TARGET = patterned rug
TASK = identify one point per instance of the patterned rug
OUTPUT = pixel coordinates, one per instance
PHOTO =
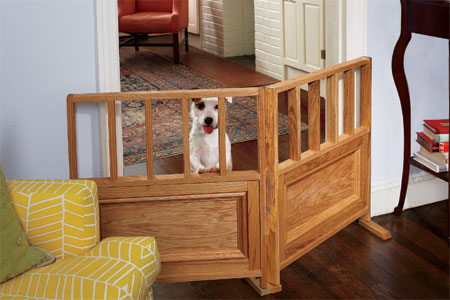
(143, 71)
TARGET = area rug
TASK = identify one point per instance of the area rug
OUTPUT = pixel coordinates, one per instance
(146, 71)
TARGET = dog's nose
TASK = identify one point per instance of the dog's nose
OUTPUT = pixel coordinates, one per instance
(208, 121)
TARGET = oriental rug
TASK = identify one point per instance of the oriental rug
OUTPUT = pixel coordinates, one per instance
(147, 71)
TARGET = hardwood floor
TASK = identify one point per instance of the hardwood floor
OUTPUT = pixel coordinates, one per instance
(354, 264)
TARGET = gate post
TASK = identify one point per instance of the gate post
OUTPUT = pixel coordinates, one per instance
(272, 234)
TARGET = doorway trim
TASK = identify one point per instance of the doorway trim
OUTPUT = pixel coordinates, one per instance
(108, 75)
(356, 29)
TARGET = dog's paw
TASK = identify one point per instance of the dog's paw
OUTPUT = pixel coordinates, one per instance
(214, 170)
(202, 171)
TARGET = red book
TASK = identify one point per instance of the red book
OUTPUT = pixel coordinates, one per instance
(427, 143)
(437, 126)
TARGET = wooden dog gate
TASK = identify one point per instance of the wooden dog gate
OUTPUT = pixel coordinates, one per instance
(246, 224)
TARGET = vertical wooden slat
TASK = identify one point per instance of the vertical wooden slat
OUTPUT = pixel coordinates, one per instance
(112, 140)
(349, 101)
(185, 123)
(314, 115)
(294, 123)
(332, 110)
(149, 137)
(272, 235)
(72, 138)
(222, 144)
(262, 186)
(366, 101)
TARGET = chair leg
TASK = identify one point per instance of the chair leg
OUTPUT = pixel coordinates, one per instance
(176, 49)
(186, 36)
(136, 42)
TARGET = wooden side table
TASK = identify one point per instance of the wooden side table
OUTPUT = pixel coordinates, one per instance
(421, 17)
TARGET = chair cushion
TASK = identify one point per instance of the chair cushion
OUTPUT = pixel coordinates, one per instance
(16, 254)
(117, 268)
(149, 22)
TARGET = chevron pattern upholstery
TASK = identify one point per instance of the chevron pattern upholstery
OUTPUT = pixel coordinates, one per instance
(62, 217)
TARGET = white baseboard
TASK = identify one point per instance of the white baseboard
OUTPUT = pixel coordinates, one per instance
(423, 189)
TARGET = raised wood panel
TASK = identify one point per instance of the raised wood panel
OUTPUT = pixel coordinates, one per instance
(291, 31)
(318, 192)
(214, 228)
(347, 212)
(312, 14)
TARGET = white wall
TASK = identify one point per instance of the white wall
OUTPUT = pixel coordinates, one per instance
(47, 52)
(426, 65)
(227, 27)
(268, 34)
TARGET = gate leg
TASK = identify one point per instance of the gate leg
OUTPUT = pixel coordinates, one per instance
(376, 229)
(270, 289)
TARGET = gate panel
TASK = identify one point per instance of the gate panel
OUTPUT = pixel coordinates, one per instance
(317, 193)
(195, 225)
(321, 196)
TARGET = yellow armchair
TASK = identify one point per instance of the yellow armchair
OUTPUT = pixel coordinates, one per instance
(62, 217)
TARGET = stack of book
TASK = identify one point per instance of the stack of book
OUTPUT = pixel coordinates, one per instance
(433, 145)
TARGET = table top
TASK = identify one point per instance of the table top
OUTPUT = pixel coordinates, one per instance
(428, 17)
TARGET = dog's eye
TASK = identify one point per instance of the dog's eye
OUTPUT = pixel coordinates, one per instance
(217, 106)
(201, 106)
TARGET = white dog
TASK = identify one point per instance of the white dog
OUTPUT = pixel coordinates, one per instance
(204, 137)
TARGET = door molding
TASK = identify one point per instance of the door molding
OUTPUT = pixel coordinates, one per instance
(108, 75)
(356, 29)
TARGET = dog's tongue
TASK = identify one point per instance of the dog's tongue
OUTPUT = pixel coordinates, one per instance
(208, 129)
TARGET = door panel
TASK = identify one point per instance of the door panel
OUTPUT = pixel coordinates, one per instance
(313, 35)
(291, 32)
(304, 35)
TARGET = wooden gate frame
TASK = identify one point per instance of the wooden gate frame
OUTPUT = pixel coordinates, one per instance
(262, 234)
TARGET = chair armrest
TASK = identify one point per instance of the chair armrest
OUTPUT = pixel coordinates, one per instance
(142, 252)
(181, 8)
(60, 216)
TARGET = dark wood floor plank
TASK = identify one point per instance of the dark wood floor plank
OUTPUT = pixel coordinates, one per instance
(365, 258)
(401, 264)
(363, 267)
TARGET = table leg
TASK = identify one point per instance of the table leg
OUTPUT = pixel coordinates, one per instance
(398, 72)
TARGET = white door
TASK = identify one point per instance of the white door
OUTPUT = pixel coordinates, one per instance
(194, 17)
(304, 36)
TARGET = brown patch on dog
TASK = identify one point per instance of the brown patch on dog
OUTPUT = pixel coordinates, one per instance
(199, 103)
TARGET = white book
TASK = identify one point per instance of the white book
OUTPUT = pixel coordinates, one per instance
(437, 157)
(438, 168)
(442, 137)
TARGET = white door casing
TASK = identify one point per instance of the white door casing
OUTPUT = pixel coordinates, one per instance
(108, 76)
(194, 17)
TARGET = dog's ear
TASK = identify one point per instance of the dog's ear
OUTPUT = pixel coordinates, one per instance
(195, 99)
(229, 99)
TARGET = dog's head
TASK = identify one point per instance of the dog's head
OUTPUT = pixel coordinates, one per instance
(204, 112)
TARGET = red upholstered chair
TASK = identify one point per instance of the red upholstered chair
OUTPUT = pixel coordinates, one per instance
(141, 17)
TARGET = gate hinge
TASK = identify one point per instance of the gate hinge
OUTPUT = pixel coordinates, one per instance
(322, 54)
